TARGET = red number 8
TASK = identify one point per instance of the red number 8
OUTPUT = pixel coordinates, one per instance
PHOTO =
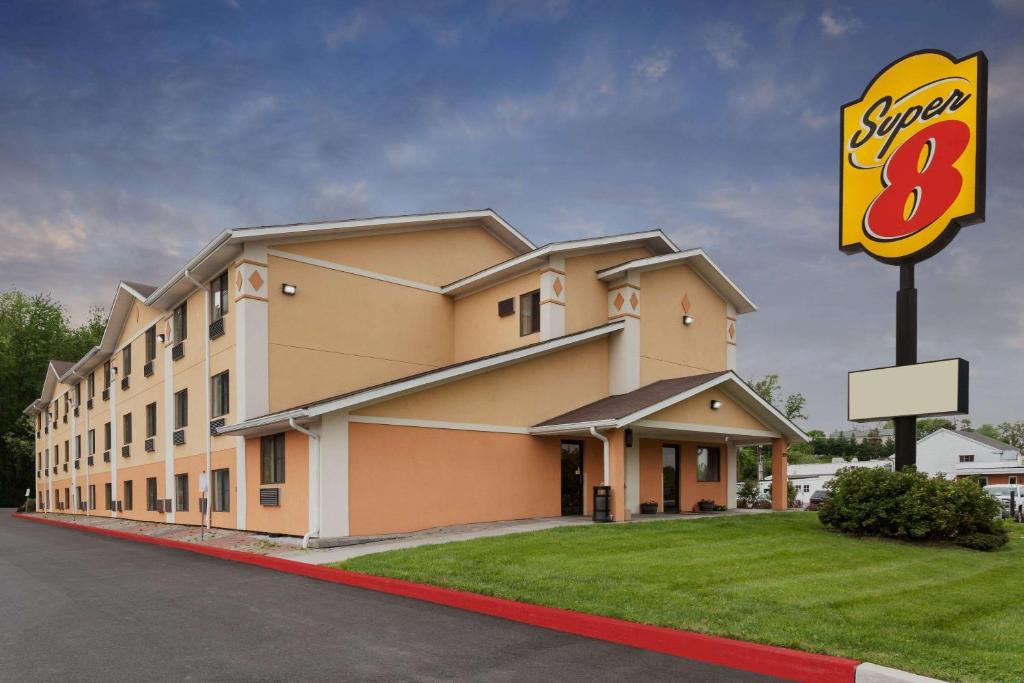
(935, 187)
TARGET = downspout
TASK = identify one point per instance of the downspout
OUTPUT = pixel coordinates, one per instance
(607, 460)
(206, 390)
(314, 469)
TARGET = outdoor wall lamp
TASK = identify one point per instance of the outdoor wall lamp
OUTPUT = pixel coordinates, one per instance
(113, 371)
(687, 320)
(160, 338)
(289, 289)
(715, 404)
(629, 438)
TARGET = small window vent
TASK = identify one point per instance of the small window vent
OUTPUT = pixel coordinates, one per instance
(270, 497)
(149, 446)
(125, 383)
(178, 351)
(217, 328)
(106, 456)
(179, 437)
(506, 307)
(215, 425)
(147, 369)
(126, 451)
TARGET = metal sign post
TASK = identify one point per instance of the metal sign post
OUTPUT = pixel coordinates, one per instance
(905, 428)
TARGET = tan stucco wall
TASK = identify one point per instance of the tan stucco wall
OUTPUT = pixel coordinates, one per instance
(651, 474)
(690, 490)
(667, 347)
(410, 478)
(586, 297)
(478, 331)
(518, 395)
(434, 257)
(343, 332)
(697, 410)
(292, 517)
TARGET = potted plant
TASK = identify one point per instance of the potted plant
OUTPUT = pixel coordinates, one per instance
(649, 507)
(705, 505)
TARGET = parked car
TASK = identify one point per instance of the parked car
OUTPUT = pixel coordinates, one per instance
(1002, 493)
(817, 498)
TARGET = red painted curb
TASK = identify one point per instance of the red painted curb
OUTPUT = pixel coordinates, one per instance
(737, 654)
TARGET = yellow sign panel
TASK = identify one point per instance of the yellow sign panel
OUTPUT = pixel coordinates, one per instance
(912, 170)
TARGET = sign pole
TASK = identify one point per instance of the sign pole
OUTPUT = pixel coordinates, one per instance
(906, 354)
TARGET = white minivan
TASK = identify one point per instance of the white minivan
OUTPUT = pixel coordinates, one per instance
(1002, 493)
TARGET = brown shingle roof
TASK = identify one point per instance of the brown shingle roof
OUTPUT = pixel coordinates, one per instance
(61, 366)
(615, 407)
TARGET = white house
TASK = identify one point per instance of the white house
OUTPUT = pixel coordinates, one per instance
(967, 453)
(810, 477)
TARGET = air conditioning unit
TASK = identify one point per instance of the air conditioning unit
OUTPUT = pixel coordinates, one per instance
(106, 394)
(125, 383)
(217, 328)
(126, 451)
(215, 425)
(88, 404)
(149, 445)
(147, 369)
(106, 456)
(179, 437)
(178, 351)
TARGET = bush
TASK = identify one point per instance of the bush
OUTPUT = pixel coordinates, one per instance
(28, 506)
(749, 493)
(908, 505)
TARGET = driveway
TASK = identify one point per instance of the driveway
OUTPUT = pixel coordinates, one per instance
(77, 606)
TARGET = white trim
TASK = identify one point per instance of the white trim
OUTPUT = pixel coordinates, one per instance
(437, 424)
(572, 427)
(706, 429)
(728, 288)
(119, 349)
(352, 270)
(168, 372)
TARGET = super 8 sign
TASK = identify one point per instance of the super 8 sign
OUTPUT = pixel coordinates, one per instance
(912, 171)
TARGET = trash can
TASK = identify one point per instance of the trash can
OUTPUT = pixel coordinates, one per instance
(602, 503)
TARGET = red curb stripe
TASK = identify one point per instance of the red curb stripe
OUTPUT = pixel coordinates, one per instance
(736, 654)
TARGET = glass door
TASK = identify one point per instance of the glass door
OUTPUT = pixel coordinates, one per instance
(670, 478)
(572, 478)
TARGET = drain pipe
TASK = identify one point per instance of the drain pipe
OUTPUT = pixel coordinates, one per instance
(607, 473)
(314, 485)
(206, 390)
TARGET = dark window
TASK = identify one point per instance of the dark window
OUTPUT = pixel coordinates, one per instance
(90, 385)
(506, 307)
(151, 420)
(108, 497)
(151, 344)
(56, 454)
(127, 500)
(221, 490)
(529, 313)
(106, 437)
(181, 492)
(78, 447)
(126, 360)
(966, 458)
(272, 459)
(219, 393)
(92, 496)
(106, 374)
(67, 450)
(180, 323)
(219, 296)
(78, 496)
(151, 494)
(78, 394)
(92, 442)
(126, 424)
(708, 461)
(181, 409)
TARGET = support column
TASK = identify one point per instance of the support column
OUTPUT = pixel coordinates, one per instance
(168, 449)
(780, 474)
(633, 476)
(333, 481)
(624, 347)
(617, 472)
(115, 452)
(552, 299)
(730, 477)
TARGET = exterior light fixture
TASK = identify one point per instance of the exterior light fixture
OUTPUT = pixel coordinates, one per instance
(113, 371)
(715, 404)
(629, 438)
(687, 320)
(289, 289)
(160, 338)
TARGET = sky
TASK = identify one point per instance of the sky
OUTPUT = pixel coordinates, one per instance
(132, 132)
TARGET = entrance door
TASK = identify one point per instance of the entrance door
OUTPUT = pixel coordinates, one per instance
(670, 477)
(572, 477)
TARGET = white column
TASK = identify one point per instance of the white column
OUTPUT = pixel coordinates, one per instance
(47, 460)
(730, 337)
(552, 299)
(252, 364)
(114, 451)
(633, 476)
(730, 476)
(168, 419)
(624, 347)
(333, 480)
(74, 460)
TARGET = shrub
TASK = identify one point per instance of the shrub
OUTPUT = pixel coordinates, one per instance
(28, 506)
(749, 493)
(908, 505)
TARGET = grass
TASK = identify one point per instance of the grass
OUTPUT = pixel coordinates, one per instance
(780, 579)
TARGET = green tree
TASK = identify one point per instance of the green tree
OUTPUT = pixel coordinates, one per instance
(1012, 433)
(927, 425)
(33, 331)
(989, 431)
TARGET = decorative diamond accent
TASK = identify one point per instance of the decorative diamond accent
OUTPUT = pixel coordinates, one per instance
(634, 301)
(557, 287)
(618, 301)
(238, 280)
(686, 304)
(256, 281)
(732, 330)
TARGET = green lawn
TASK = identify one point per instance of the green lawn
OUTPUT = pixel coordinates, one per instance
(781, 579)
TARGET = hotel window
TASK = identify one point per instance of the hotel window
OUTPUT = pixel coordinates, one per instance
(126, 360)
(108, 496)
(56, 454)
(106, 436)
(219, 394)
(222, 490)
(47, 458)
(151, 420)
(180, 323)
(151, 344)
(181, 409)
(708, 463)
(151, 494)
(92, 496)
(127, 500)
(272, 459)
(78, 447)
(90, 385)
(126, 426)
(67, 450)
(983, 481)
(1012, 480)
(966, 458)
(181, 492)
(219, 296)
(106, 374)
(78, 496)
(78, 394)
(529, 313)
(92, 442)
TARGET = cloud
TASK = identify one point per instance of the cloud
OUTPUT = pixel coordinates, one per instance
(654, 66)
(724, 42)
(529, 11)
(1014, 6)
(406, 155)
(1006, 84)
(345, 199)
(836, 26)
(816, 121)
(347, 30)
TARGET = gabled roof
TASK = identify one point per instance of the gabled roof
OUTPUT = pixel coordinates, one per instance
(55, 369)
(987, 440)
(655, 240)
(425, 380)
(624, 409)
(701, 264)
